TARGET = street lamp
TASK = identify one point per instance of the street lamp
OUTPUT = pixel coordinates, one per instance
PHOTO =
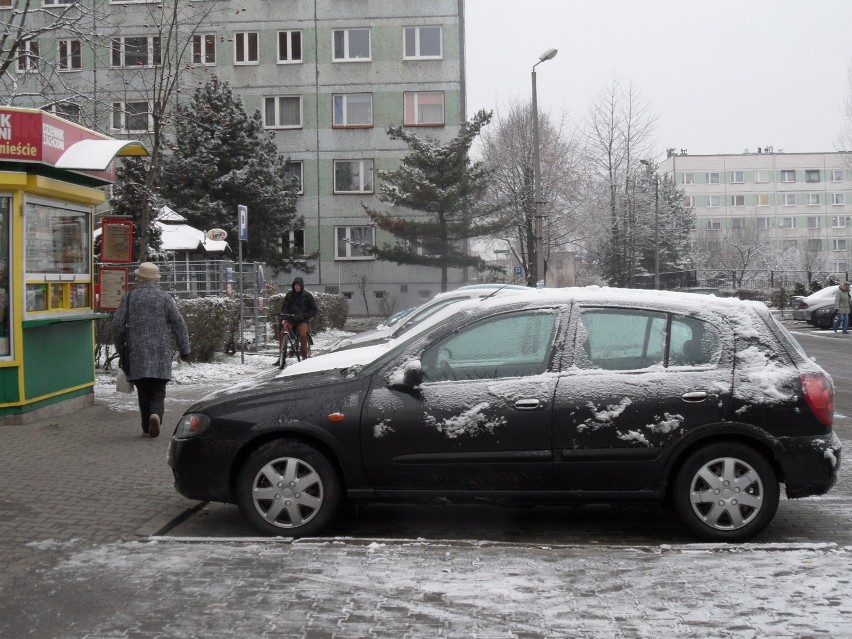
(539, 216)
(649, 165)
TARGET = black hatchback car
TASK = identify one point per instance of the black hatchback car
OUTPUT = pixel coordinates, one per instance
(592, 394)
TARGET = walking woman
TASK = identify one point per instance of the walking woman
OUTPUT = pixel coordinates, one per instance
(149, 318)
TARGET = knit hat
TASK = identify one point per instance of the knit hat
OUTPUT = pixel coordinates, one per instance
(148, 271)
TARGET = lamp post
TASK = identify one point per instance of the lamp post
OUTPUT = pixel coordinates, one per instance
(649, 165)
(539, 215)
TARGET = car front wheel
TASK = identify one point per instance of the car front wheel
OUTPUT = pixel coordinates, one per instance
(288, 488)
(726, 492)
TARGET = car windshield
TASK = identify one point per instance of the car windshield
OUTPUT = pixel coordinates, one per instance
(426, 313)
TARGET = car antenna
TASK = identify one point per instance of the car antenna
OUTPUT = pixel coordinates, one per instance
(497, 290)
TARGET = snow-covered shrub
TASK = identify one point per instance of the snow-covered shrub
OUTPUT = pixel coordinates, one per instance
(211, 322)
(332, 311)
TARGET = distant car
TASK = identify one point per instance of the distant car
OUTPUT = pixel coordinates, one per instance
(594, 395)
(391, 320)
(817, 309)
(705, 290)
(441, 300)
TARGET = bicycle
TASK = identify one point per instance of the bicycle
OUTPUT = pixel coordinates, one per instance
(288, 343)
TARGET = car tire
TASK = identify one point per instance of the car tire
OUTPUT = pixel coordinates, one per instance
(288, 488)
(726, 492)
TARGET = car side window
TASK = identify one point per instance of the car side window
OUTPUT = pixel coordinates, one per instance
(620, 339)
(425, 314)
(511, 345)
(693, 343)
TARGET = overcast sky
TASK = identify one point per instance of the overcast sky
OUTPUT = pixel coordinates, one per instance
(722, 76)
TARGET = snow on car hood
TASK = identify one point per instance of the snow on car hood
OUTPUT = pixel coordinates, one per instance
(336, 360)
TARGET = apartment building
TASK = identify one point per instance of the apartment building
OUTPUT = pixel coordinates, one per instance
(327, 76)
(801, 202)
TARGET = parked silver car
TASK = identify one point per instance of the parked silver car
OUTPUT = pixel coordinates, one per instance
(818, 308)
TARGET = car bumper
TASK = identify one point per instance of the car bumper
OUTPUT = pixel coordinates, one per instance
(810, 464)
(202, 468)
(802, 316)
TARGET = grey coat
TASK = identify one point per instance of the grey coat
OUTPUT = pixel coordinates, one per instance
(841, 301)
(154, 318)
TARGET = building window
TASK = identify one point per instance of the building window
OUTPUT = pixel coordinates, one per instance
(351, 44)
(423, 42)
(762, 223)
(812, 176)
(836, 175)
(714, 224)
(738, 200)
(737, 223)
(28, 56)
(813, 199)
(838, 245)
(424, 108)
(788, 176)
(737, 177)
(353, 109)
(50, 3)
(689, 202)
(838, 221)
(67, 111)
(815, 245)
(838, 199)
(714, 200)
(788, 222)
(293, 242)
(282, 112)
(813, 222)
(246, 48)
(687, 178)
(713, 178)
(294, 170)
(140, 51)
(70, 56)
(763, 199)
(353, 176)
(354, 242)
(840, 267)
(761, 177)
(204, 49)
(790, 244)
(788, 199)
(131, 117)
(289, 47)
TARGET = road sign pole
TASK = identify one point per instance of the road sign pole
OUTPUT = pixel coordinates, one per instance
(242, 220)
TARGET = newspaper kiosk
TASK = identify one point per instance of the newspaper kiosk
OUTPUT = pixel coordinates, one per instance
(51, 171)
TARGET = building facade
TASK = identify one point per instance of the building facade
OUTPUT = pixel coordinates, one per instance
(327, 76)
(798, 203)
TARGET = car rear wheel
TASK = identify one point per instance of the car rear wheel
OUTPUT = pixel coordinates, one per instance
(726, 492)
(288, 488)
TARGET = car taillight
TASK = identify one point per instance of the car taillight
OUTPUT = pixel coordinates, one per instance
(802, 305)
(819, 393)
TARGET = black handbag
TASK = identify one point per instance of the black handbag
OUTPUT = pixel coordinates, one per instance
(124, 350)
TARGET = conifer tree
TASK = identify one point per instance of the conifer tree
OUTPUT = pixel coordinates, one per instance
(223, 158)
(445, 191)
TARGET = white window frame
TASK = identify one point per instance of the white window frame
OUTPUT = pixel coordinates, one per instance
(714, 201)
(838, 245)
(277, 115)
(153, 55)
(688, 201)
(762, 223)
(28, 55)
(761, 177)
(365, 171)
(814, 221)
(714, 224)
(786, 174)
(836, 175)
(811, 173)
(67, 60)
(838, 199)
(838, 221)
(788, 222)
(764, 199)
(413, 98)
(840, 267)
(737, 177)
(345, 243)
(122, 113)
(738, 200)
(57, 110)
(687, 178)
(244, 41)
(788, 199)
(814, 199)
(57, 3)
(342, 100)
(714, 177)
(737, 223)
(203, 49)
(301, 176)
(347, 54)
(415, 32)
(286, 56)
(289, 240)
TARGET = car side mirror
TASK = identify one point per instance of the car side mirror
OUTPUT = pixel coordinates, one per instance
(409, 376)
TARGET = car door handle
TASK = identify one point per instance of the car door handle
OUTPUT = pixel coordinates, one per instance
(530, 404)
(695, 396)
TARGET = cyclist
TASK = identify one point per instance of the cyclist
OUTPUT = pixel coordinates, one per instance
(298, 308)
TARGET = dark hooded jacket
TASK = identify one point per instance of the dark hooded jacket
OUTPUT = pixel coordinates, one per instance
(301, 305)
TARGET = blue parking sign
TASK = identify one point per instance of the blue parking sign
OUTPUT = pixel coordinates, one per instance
(519, 271)
(242, 214)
